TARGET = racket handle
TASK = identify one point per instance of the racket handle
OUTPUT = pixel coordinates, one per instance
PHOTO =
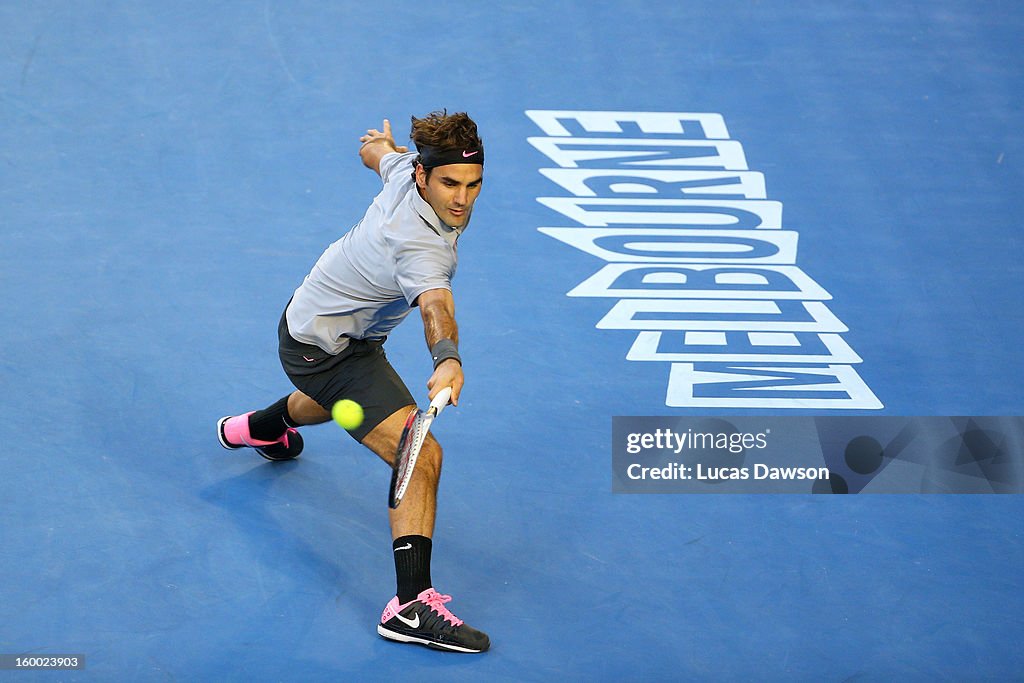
(440, 401)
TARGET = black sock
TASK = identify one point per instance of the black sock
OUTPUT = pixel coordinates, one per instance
(269, 424)
(412, 566)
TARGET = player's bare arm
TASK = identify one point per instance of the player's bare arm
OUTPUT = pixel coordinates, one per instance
(376, 144)
(437, 306)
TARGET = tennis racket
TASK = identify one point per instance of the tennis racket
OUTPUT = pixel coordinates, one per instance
(413, 435)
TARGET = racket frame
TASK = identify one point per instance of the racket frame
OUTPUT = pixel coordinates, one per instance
(414, 434)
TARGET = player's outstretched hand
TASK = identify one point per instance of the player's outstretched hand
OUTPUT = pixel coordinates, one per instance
(373, 135)
(376, 145)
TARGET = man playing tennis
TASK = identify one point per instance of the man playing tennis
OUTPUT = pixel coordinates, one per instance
(400, 256)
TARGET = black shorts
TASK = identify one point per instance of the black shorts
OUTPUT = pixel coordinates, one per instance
(361, 372)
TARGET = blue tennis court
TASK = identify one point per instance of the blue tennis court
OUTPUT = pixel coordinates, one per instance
(169, 172)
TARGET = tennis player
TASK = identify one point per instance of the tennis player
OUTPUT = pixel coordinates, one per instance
(400, 256)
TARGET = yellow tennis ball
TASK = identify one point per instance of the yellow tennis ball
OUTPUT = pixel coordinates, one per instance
(347, 413)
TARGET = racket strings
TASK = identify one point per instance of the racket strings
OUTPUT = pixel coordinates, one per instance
(408, 446)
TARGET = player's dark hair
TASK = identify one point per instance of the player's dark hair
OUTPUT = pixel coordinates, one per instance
(444, 132)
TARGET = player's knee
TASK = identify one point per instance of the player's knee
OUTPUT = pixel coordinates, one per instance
(304, 410)
(430, 458)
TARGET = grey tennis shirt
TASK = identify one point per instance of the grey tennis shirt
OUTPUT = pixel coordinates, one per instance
(364, 284)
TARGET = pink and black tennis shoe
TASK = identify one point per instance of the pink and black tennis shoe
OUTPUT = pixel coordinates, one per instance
(233, 432)
(426, 621)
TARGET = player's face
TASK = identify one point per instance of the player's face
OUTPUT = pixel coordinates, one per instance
(451, 191)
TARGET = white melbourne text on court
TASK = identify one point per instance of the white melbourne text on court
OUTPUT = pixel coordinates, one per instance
(697, 260)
